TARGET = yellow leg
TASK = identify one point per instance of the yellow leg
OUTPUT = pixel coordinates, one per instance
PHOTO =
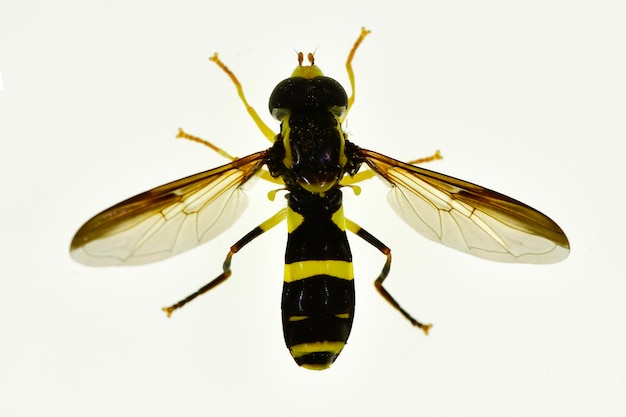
(262, 173)
(267, 132)
(367, 174)
(184, 135)
(362, 176)
(364, 33)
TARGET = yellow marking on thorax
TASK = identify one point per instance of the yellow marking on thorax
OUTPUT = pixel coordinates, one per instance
(286, 130)
(305, 269)
(343, 159)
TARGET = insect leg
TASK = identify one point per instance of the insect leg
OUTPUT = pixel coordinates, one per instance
(184, 135)
(367, 174)
(250, 236)
(364, 33)
(267, 132)
(263, 173)
(363, 234)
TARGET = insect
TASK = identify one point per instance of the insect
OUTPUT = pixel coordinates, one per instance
(312, 159)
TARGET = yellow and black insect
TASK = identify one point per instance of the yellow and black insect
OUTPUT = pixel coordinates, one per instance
(310, 158)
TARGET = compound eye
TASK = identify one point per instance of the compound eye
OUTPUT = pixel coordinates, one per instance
(297, 94)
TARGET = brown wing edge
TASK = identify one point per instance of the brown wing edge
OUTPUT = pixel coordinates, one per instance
(508, 210)
(126, 214)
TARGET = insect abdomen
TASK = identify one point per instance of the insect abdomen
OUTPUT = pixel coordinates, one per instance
(318, 293)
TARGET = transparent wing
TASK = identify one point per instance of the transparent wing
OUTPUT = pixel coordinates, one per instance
(468, 217)
(167, 220)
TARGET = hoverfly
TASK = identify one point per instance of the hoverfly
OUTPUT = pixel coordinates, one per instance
(312, 158)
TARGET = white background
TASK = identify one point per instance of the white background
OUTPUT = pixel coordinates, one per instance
(527, 98)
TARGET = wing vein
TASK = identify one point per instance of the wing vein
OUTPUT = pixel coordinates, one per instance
(468, 217)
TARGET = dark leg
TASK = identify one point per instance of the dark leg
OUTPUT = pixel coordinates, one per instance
(363, 234)
(254, 233)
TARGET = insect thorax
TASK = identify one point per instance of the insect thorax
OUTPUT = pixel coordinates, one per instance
(309, 152)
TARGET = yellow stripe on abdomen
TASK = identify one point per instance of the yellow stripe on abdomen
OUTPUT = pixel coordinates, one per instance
(305, 269)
